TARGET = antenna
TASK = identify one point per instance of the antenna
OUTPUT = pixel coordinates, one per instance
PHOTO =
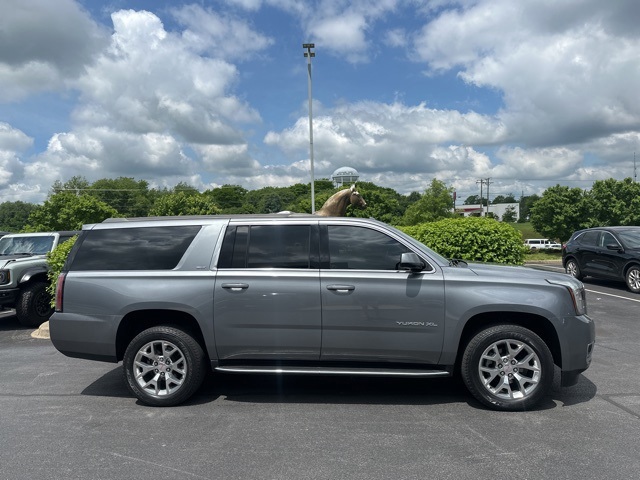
(635, 175)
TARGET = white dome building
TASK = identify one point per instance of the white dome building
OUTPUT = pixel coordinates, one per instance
(345, 176)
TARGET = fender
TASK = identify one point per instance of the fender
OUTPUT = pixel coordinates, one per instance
(32, 272)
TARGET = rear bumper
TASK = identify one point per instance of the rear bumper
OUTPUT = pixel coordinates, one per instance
(86, 337)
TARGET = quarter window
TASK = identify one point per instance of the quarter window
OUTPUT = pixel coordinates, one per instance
(589, 238)
(139, 248)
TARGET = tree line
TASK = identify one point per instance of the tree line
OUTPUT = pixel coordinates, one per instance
(558, 212)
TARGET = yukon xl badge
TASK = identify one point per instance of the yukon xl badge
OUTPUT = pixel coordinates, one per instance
(417, 324)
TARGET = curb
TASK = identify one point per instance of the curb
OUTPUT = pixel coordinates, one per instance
(42, 332)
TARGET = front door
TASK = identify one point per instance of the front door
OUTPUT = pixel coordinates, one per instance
(370, 309)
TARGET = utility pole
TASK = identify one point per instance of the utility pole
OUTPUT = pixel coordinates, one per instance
(635, 175)
(481, 182)
(489, 182)
(308, 54)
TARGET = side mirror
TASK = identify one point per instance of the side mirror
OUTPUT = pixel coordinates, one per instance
(410, 261)
(614, 246)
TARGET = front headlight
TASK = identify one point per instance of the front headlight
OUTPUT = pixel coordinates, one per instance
(577, 292)
(5, 277)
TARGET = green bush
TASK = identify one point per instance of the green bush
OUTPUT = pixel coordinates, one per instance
(55, 260)
(472, 239)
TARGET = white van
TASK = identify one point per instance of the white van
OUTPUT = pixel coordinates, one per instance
(542, 244)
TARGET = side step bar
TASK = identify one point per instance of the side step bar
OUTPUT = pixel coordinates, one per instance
(375, 372)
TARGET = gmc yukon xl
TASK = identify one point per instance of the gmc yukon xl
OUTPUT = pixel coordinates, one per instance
(291, 293)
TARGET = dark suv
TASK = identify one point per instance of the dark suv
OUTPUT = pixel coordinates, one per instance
(606, 252)
(303, 294)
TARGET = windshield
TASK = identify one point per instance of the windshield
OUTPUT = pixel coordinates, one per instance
(25, 245)
(630, 238)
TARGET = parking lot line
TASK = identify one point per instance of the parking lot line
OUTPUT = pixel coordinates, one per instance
(612, 295)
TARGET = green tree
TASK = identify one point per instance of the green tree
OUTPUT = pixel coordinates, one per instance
(230, 198)
(130, 197)
(509, 215)
(68, 211)
(384, 204)
(185, 188)
(475, 200)
(436, 203)
(508, 198)
(525, 207)
(77, 184)
(559, 212)
(613, 202)
(184, 203)
(14, 215)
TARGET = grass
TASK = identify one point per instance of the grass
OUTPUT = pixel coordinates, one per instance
(543, 256)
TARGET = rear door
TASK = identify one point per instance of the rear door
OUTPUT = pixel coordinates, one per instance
(267, 293)
(371, 311)
(587, 253)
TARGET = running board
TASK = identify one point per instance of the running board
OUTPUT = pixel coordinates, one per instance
(374, 372)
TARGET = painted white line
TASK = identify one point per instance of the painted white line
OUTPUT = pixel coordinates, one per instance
(612, 295)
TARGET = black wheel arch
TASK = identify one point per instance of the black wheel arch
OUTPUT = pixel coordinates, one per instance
(136, 322)
(540, 325)
(632, 263)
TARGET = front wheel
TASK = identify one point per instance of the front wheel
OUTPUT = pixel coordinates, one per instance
(633, 279)
(33, 307)
(507, 367)
(164, 366)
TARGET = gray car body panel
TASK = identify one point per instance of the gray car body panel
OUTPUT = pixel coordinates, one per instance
(292, 314)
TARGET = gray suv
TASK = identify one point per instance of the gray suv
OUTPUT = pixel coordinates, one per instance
(23, 274)
(302, 294)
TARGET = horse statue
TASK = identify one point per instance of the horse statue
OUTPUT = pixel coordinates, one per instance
(337, 204)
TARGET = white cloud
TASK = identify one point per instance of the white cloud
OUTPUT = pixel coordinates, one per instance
(220, 36)
(565, 71)
(38, 50)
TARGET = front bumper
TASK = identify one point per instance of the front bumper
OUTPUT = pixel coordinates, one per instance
(8, 296)
(577, 348)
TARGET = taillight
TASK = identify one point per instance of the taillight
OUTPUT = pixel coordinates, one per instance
(60, 291)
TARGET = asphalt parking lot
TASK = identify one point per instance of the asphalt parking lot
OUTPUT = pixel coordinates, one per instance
(74, 419)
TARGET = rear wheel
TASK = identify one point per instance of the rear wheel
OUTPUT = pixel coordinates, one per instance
(573, 269)
(33, 307)
(507, 367)
(633, 279)
(164, 366)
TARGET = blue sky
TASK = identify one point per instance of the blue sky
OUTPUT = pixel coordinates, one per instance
(528, 93)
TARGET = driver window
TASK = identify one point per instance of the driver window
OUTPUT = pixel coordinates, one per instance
(607, 239)
(360, 248)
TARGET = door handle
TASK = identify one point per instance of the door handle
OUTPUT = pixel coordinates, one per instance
(341, 288)
(236, 287)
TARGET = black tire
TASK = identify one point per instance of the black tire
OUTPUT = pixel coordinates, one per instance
(572, 268)
(33, 307)
(632, 277)
(180, 362)
(507, 367)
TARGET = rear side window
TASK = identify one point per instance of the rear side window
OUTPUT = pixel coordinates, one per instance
(266, 246)
(588, 238)
(143, 248)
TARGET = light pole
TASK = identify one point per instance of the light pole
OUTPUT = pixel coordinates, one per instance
(308, 54)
